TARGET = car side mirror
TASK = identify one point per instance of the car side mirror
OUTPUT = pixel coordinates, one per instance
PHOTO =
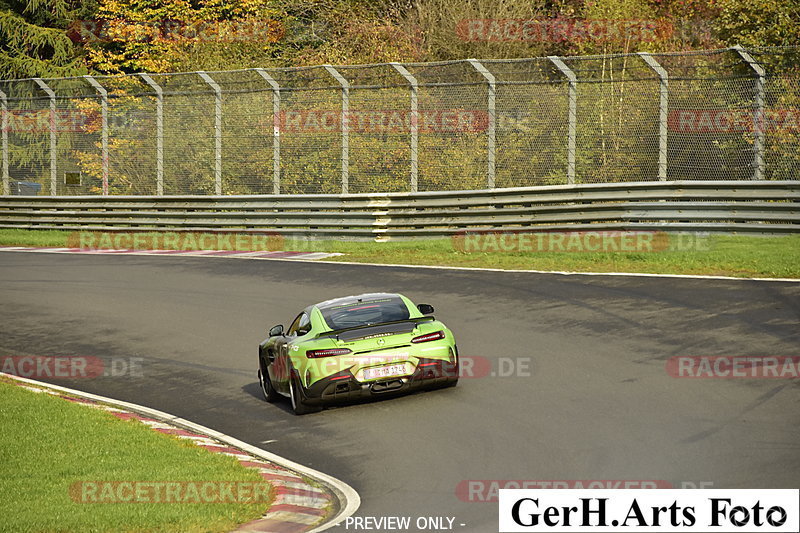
(425, 309)
(275, 331)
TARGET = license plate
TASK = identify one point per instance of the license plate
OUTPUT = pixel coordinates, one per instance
(384, 372)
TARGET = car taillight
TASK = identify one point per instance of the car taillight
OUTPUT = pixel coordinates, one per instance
(314, 354)
(429, 337)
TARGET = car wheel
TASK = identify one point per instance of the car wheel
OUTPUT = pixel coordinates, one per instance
(270, 394)
(298, 406)
(454, 382)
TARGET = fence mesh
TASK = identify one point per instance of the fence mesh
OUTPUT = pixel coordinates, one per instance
(731, 114)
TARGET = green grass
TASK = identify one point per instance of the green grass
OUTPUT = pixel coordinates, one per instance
(47, 444)
(723, 255)
(11, 237)
(738, 256)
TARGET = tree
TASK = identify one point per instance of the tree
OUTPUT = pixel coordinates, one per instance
(182, 35)
(759, 22)
(33, 41)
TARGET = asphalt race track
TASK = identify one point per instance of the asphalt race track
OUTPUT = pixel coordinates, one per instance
(587, 396)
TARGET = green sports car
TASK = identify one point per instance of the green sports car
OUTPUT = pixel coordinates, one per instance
(356, 347)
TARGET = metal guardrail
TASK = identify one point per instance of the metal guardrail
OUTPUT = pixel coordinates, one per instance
(766, 207)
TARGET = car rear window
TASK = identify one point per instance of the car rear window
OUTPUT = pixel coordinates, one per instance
(364, 313)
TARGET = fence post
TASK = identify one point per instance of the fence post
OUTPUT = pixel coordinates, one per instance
(491, 127)
(276, 130)
(663, 112)
(4, 141)
(53, 162)
(414, 122)
(759, 118)
(159, 132)
(217, 131)
(345, 126)
(104, 125)
(572, 115)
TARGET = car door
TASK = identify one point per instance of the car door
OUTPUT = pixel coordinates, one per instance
(283, 346)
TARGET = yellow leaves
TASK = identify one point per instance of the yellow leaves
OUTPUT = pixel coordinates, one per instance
(159, 36)
(368, 41)
(618, 10)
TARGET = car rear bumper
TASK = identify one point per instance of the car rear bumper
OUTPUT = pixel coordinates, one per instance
(343, 388)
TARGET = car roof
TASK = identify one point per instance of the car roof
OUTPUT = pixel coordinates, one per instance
(355, 298)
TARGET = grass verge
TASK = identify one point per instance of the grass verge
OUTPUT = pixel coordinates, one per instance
(737, 256)
(719, 255)
(48, 444)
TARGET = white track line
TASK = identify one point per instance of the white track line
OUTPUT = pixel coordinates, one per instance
(264, 254)
(347, 496)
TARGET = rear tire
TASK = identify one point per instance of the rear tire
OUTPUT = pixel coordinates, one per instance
(454, 382)
(270, 394)
(296, 396)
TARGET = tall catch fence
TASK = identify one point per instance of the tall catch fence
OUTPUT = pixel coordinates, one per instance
(730, 114)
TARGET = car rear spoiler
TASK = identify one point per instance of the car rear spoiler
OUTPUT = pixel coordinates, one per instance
(381, 329)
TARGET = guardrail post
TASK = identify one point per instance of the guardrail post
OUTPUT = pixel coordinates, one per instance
(572, 115)
(159, 132)
(53, 161)
(4, 141)
(663, 112)
(276, 130)
(414, 122)
(759, 118)
(345, 126)
(217, 131)
(491, 127)
(104, 125)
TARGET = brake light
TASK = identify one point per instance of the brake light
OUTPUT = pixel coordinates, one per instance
(429, 337)
(315, 354)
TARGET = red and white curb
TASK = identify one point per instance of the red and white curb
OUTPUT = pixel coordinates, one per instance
(301, 256)
(299, 507)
